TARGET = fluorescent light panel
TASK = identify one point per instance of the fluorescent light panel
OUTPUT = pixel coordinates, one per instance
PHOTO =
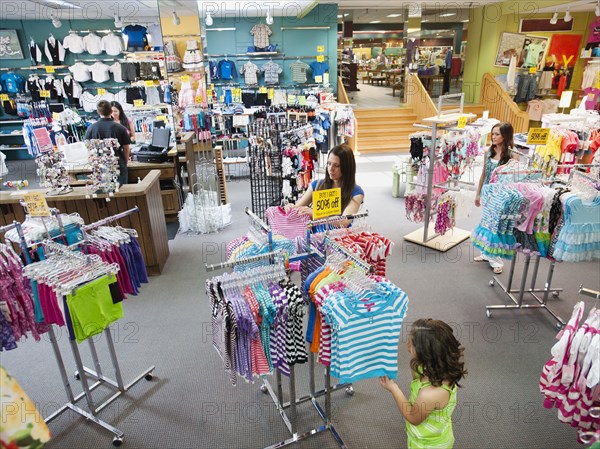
(393, 15)
(375, 21)
(63, 3)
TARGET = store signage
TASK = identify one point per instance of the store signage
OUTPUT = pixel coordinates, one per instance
(161, 118)
(320, 58)
(36, 204)
(139, 102)
(49, 69)
(185, 79)
(462, 122)
(533, 70)
(538, 136)
(327, 203)
(262, 90)
(4, 97)
(45, 93)
(198, 99)
(149, 83)
(318, 79)
(271, 94)
(101, 91)
(320, 48)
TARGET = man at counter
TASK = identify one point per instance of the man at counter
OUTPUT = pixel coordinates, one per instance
(107, 128)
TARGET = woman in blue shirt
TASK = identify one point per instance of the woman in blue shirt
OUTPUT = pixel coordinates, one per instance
(341, 172)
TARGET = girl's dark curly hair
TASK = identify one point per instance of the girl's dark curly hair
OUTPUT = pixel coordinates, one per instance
(437, 353)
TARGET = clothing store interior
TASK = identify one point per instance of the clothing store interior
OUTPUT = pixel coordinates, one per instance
(305, 224)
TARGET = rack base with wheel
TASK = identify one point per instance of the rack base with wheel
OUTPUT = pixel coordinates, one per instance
(541, 303)
(440, 243)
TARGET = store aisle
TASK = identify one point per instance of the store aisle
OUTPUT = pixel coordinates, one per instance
(190, 403)
(372, 97)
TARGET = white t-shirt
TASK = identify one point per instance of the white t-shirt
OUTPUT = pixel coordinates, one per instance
(93, 44)
(112, 44)
(116, 71)
(81, 72)
(74, 43)
(89, 100)
(155, 33)
(100, 72)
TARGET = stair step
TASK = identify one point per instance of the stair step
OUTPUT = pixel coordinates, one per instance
(386, 126)
(404, 118)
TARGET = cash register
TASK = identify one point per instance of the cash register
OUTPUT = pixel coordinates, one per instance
(158, 148)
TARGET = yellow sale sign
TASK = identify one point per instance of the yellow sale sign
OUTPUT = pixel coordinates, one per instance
(36, 204)
(327, 203)
(538, 136)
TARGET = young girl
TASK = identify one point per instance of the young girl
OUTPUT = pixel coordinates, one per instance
(437, 368)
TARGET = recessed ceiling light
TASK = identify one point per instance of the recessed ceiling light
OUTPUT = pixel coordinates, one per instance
(466, 20)
(346, 14)
(393, 15)
(448, 14)
(424, 20)
(375, 21)
(340, 16)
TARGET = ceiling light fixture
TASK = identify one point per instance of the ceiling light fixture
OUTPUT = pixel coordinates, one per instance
(208, 20)
(269, 17)
(118, 22)
(375, 21)
(55, 21)
(448, 14)
(176, 19)
(554, 19)
(393, 15)
(568, 16)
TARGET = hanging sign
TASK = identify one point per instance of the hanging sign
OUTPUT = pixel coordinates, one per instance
(149, 83)
(262, 90)
(49, 69)
(320, 48)
(4, 97)
(45, 93)
(538, 136)
(271, 93)
(462, 122)
(198, 99)
(185, 79)
(101, 91)
(161, 118)
(320, 58)
(533, 70)
(36, 204)
(327, 203)
(139, 102)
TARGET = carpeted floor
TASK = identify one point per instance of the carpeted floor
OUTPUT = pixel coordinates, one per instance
(190, 403)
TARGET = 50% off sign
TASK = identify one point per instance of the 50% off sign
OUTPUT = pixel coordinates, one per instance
(327, 203)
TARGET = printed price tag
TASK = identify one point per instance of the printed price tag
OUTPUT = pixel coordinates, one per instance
(185, 79)
(198, 99)
(318, 79)
(4, 97)
(236, 92)
(36, 204)
(262, 90)
(139, 102)
(320, 48)
(55, 116)
(538, 136)
(45, 93)
(271, 93)
(212, 86)
(320, 58)
(149, 83)
(209, 93)
(462, 122)
(327, 203)
(533, 70)
(49, 69)
(161, 117)
(222, 99)
(101, 91)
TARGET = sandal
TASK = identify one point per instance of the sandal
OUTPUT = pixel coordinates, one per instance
(497, 270)
(479, 259)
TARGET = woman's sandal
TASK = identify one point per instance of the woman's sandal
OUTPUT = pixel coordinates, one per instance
(479, 259)
(497, 270)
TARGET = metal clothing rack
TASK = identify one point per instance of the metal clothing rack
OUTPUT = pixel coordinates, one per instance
(277, 396)
(328, 220)
(532, 290)
(424, 236)
(84, 372)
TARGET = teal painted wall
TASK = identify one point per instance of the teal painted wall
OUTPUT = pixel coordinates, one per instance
(292, 43)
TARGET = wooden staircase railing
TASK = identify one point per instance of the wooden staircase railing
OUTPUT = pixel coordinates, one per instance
(418, 98)
(342, 97)
(501, 105)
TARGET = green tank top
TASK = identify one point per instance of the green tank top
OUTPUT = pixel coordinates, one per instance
(436, 431)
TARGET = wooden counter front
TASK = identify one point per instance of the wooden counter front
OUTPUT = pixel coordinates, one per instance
(149, 222)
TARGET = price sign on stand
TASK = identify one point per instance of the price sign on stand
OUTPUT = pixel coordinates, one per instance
(462, 122)
(49, 69)
(45, 93)
(139, 102)
(101, 91)
(36, 204)
(538, 136)
(185, 79)
(327, 203)
(320, 58)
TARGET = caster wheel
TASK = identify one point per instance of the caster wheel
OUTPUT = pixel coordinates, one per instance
(76, 375)
(488, 313)
(492, 283)
(350, 391)
(264, 389)
(117, 441)
(555, 294)
(149, 377)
